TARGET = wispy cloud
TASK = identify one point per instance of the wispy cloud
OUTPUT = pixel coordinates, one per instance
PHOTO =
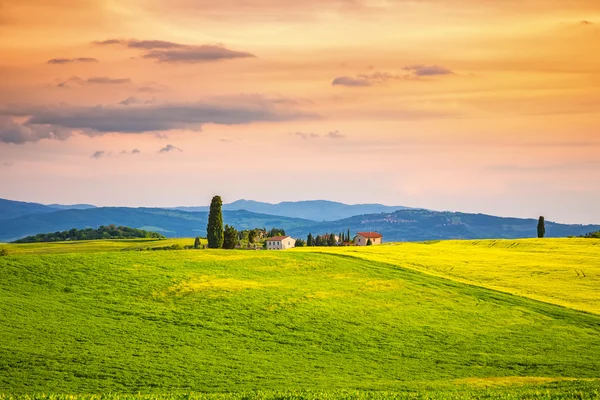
(96, 80)
(129, 101)
(60, 61)
(412, 72)
(98, 154)
(170, 52)
(335, 135)
(364, 80)
(306, 135)
(420, 70)
(169, 148)
(134, 151)
(329, 135)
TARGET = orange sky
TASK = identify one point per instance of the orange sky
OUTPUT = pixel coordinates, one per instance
(472, 105)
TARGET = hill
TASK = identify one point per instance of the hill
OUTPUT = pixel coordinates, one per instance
(418, 225)
(170, 223)
(236, 321)
(316, 210)
(14, 209)
(71, 206)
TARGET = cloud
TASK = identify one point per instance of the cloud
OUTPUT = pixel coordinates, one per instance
(331, 135)
(587, 22)
(350, 81)
(7, 164)
(103, 80)
(71, 60)
(419, 70)
(134, 151)
(170, 52)
(364, 80)
(168, 148)
(61, 121)
(306, 135)
(335, 135)
(96, 80)
(129, 101)
(98, 154)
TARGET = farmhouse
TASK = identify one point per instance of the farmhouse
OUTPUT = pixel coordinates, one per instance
(280, 243)
(363, 237)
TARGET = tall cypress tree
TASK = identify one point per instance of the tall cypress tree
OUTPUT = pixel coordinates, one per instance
(214, 230)
(348, 236)
(309, 240)
(541, 228)
(197, 243)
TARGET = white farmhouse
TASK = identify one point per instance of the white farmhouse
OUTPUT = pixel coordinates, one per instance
(280, 243)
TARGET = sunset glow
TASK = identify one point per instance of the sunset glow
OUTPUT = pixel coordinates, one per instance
(470, 105)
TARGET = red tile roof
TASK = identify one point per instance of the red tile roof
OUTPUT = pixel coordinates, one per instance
(277, 238)
(370, 235)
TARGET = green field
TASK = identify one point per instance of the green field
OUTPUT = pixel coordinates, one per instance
(412, 320)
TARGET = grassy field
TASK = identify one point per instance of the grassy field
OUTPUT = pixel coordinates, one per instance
(559, 271)
(88, 246)
(364, 323)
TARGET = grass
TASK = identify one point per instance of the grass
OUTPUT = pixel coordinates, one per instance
(302, 324)
(565, 272)
(88, 246)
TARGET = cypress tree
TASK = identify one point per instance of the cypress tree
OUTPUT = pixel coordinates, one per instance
(348, 236)
(229, 237)
(369, 242)
(197, 243)
(331, 240)
(214, 230)
(541, 227)
(309, 240)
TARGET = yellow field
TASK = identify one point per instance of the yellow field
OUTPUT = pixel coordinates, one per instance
(559, 271)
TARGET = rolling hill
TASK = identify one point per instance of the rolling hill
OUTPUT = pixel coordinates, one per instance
(345, 323)
(400, 225)
(417, 225)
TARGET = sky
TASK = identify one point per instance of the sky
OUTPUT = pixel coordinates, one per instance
(488, 106)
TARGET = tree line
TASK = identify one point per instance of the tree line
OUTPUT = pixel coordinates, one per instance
(103, 232)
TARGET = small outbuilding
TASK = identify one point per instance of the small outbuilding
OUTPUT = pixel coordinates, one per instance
(280, 243)
(363, 237)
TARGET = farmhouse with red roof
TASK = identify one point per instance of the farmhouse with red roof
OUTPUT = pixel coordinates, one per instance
(363, 237)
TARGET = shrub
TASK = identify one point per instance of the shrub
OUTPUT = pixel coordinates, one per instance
(3, 252)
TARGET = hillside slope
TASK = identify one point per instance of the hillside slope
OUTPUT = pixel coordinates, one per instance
(14, 209)
(230, 321)
(416, 225)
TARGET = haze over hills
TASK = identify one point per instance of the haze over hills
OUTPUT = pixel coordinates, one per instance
(170, 223)
(26, 219)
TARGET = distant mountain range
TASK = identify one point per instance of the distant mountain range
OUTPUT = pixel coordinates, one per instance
(19, 219)
(316, 210)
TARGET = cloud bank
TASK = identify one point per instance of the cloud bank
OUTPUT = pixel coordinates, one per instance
(170, 52)
(61, 121)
